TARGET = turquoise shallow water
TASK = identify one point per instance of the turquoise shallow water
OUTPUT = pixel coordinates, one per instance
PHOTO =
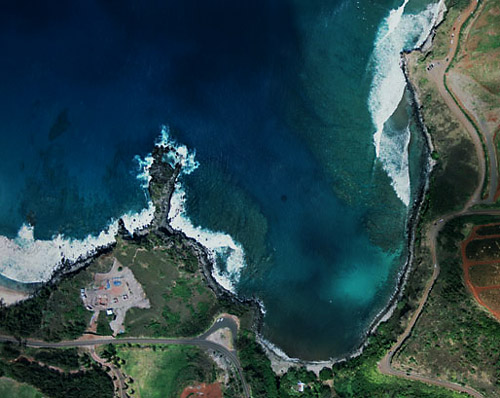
(274, 98)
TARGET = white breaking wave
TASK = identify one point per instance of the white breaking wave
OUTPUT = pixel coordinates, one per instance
(218, 244)
(26, 259)
(397, 32)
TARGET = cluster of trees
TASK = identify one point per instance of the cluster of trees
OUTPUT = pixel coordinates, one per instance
(52, 383)
(263, 381)
(53, 313)
(64, 358)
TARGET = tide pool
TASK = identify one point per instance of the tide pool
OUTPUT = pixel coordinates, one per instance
(304, 160)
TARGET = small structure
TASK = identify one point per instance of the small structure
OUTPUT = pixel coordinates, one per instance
(300, 386)
(115, 292)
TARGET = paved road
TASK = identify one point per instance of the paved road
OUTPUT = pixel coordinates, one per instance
(197, 341)
(438, 75)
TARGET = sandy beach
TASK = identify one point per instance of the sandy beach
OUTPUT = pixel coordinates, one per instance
(10, 296)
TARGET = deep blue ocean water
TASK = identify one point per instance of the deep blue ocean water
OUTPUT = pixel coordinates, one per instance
(272, 95)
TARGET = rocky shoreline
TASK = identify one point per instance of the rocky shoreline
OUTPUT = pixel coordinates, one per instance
(279, 360)
(162, 186)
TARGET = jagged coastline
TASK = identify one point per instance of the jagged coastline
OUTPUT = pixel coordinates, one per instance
(164, 176)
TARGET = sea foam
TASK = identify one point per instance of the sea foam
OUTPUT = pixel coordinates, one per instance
(218, 244)
(397, 32)
(26, 259)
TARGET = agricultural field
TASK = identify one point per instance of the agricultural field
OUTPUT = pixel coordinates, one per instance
(164, 371)
(485, 274)
(491, 298)
(12, 389)
(483, 249)
(455, 339)
(487, 230)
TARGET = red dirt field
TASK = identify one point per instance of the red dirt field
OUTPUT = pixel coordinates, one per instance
(202, 390)
(488, 294)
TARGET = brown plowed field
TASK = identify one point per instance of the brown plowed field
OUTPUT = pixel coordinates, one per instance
(202, 390)
(480, 255)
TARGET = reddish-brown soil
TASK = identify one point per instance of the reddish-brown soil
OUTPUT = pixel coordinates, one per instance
(487, 294)
(202, 390)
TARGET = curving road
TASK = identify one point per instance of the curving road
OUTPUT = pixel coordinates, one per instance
(438, 74)
(199, 341)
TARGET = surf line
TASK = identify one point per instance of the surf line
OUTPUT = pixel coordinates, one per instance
(221, 247)
(398, 32)
(25, 259)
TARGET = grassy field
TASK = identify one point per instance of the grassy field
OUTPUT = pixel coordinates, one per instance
(481, 54)
(164, 371)
(455, 175)
(455, 339)
(12, 389)
(181, 302)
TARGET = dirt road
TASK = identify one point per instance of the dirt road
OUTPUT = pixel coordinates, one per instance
(438, 75)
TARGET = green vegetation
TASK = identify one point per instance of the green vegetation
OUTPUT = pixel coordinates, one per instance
(489, 230)
(12, 389)
(64, 358)
(440, 44)
(257, 367)
(103, 327)
(360, 377)
(483, 249)
(454, 338)
(485, 275)
(90, 383)
(457, 5)
(455, 175)
(29, 365)
(181, 302)
(164, 371)
(56, 312)
(288, 385)
(356, 378)
(483, 47)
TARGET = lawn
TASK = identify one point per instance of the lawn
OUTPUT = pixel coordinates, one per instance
(164, 371)
(12, 389)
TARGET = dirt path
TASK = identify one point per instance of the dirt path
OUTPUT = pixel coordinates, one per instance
(115, 373)
(385, 365)
(200, 341)
(485, 131)
(437, 74)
